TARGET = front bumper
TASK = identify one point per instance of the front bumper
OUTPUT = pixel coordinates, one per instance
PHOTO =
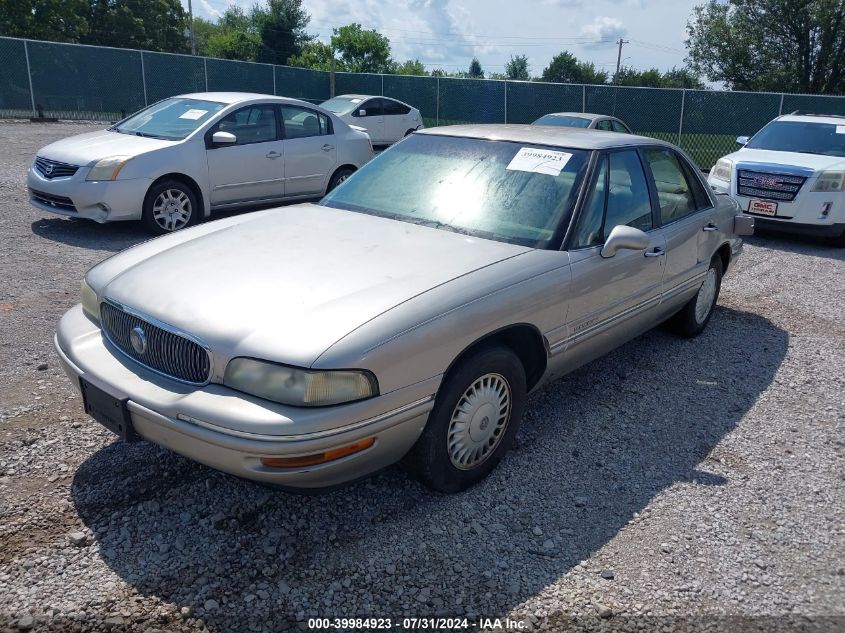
(101, 201)
(198, 422)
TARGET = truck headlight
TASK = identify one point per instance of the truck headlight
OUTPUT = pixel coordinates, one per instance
(90, 301)
(107, 168)
(299, 387)
(830, 181)
(722, 170)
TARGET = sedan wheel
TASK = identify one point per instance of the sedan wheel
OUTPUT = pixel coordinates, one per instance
(170, 205)
(704, 300)
(695, 315)
(475, 417)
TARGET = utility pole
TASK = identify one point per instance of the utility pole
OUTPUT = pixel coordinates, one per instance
(191, 27)
(619, 57)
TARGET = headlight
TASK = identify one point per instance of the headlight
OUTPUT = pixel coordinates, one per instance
(107, 168)
(90, 301)
(830, 181)
(299, 387)
(722, 170)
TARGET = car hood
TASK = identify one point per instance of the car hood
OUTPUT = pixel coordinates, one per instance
(85, 149)
(774, 159)
(285, 284)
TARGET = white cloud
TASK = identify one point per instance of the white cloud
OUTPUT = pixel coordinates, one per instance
(603, 29)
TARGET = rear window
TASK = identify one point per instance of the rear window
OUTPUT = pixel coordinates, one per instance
(563, 121)
(804, 137)
(510, 192)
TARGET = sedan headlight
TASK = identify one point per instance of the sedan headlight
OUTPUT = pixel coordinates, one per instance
(107, 168)
(722, 170)
(830, 181)
(299, 387)
(90, 301)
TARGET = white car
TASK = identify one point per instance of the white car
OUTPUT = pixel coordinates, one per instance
(175, 162)
(385, 120)
(790, 175)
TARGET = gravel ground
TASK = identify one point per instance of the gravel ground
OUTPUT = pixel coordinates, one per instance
(677, 484)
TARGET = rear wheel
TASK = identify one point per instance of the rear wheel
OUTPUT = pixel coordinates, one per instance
(170, 205)
(473, 422)
(695, 315)
(339, 176)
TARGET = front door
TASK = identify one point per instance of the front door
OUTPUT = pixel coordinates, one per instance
(369, 115)
(615, 298)
(253, 168)
(310, 148)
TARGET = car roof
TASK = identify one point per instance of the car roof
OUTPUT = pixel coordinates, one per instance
(813, 118)
(239, 97)
(582, 115)
(575, 138)
(362, 97)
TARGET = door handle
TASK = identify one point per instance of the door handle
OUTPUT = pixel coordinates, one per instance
(327, 147)
(657, 252)
(710, 228)
(273, 154)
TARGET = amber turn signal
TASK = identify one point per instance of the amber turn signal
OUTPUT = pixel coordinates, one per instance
(318, 458)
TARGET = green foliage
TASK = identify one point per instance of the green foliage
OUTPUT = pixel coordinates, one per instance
(281, 27)
(362, 51)
(653, 78)
(316, 55)
(228, 44)
(411, 67)
(517, 68)
(789, 45)
(565, 68)
(475, 70)
(53, 20)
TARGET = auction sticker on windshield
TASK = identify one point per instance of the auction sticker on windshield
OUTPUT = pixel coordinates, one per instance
(763, 207)
(539, 161)
(194, 114)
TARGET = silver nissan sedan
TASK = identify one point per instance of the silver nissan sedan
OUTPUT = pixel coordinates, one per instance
(407, 315)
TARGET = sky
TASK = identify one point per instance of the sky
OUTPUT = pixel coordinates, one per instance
(448, 33)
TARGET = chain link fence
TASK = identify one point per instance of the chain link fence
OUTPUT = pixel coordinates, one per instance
(71, 81)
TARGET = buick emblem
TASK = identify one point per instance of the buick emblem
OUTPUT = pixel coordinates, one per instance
(138, 340)
(48, 169)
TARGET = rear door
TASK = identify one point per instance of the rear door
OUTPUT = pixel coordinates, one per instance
(613, 299)
(397, 120)
(310, 149)
(253, 168)
(686, 216)
(369, 115)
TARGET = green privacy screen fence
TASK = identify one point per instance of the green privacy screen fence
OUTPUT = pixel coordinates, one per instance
(71, 81)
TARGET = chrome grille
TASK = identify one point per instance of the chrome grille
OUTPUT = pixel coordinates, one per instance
(166, 352)
(757, 184)
(53, 168)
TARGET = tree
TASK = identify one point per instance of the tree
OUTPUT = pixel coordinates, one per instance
(790, 45)
(281, 28)
(565, 68)
(681, 78)
(362, 51)
(316, 55)
(52, 20)
(517, 68)
(475, 70)
(228, 44)
(411, 67)
(156, 26)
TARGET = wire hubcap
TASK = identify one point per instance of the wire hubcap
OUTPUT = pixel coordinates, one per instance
(172, 209)
(706, 294)
(479, 421)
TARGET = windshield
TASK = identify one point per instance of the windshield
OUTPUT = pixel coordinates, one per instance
(339, 105)
(510, 192)
(172, 119)
(563, 121)
(804, 137)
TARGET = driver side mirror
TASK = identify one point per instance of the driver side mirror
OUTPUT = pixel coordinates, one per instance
(220, 139)
(742, 140)
(624, 238)
(362, 112)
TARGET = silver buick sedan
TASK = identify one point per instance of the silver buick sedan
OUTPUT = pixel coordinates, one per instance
(179, 160)
(407, 315)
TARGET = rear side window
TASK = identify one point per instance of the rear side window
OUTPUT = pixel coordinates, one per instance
(618, 127)
(604, 125)
(302, 123)
(394, 107)
(674, 193)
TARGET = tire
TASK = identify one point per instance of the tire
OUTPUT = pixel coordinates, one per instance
(339, 176)
(170, 205)
(695, 315)
(486, 379)
(409, 132)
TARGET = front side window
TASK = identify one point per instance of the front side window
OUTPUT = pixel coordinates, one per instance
(253, 124)
(628, 200)
(171, 119)
(369, 108)
(302, 122)
(673, 190)
(589, 230)
(500, 190)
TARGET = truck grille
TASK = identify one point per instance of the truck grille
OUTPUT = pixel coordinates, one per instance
(157, 348)
(57, 202)
(757, 184)
(53, 168)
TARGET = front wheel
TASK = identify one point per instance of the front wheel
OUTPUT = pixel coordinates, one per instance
(695, 315)
(170, 205)
(474, 420)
